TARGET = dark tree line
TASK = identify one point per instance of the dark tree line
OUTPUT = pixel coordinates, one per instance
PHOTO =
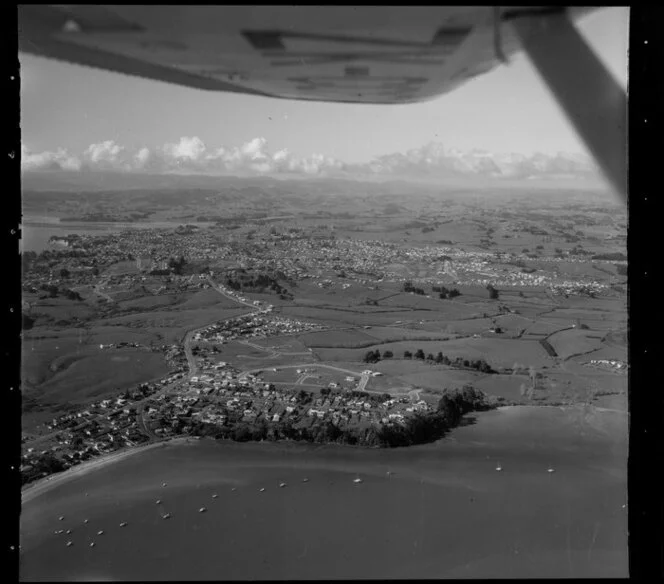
(444, 293)
(440, 359)
(408, 287)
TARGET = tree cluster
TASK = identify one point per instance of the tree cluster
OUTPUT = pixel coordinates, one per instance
(422, 428)
(440, 359)
(444, 293)
(258, 283)
(408, 287)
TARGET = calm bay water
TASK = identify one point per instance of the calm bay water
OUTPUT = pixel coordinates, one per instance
(443, 511)
(35, 232)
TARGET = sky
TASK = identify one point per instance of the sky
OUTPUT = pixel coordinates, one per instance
(73, 109)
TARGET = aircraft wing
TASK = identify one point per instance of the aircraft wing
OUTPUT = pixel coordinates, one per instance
(369, 54)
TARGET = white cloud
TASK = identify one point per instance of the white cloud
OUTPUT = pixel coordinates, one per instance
(60, 159)
(186, 149)
(190, 154)
(142, 157)
(255, 149)
(104, 152)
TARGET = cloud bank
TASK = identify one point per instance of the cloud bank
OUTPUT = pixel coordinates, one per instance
(192, 155)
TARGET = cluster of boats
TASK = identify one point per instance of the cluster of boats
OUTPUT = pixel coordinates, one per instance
(203, 509)
(85, 521)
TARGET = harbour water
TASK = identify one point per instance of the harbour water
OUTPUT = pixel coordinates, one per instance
(439, 510)
(36, 231)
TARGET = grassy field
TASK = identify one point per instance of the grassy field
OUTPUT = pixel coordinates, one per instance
(286, 343)
(171, 326)
(151, 302)
(91, 375)
(61, 309)
(338, 338)
(39, 351)
(208, 297)
(572, 342)
(393, 333)
(434, 378)
(381, 317)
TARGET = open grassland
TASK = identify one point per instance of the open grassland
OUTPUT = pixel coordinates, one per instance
(411, 301)
(250, 362)
(604, 352)
(143, 303)
(233, 349)
(172, 325)
(347, 338)
(468, 326)
(61, 310)
(542, 328)
(380, 317)
(92, 375)
(499, 352)
(207, 298)
(40, 350)
(574, 342)
(281, 375)
(433, 378)
(396, 333)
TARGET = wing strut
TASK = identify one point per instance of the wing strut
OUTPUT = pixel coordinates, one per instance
(593, 101)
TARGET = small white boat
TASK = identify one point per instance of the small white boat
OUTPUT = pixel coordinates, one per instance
(61, 518)
(202, 510)
(282, 485)
(92, 544)
(305, 480)
(262, 489)
(233, 489)
(100, 532)
(70, 543)
(123, 524)
(85, 520)
(551, 470)
(167, 516)
(68, 531)
(164, 484)
(499, 468)
(358, 480)
(158, 501)
(215, 496)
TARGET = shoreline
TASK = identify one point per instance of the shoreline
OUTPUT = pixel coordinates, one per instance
(43, 485)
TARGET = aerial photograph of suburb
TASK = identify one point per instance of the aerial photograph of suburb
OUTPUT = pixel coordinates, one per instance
(323, 292)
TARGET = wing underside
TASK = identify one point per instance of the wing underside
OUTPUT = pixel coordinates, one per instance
(346, 54)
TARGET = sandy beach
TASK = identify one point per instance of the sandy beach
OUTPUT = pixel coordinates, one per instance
(41, 486)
